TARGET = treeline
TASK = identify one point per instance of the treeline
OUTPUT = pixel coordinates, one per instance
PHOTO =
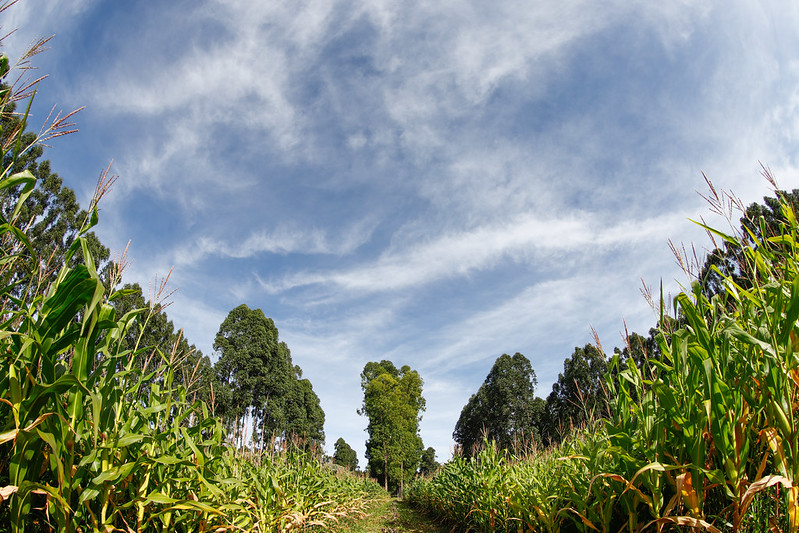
(505, 409)
(253, 386)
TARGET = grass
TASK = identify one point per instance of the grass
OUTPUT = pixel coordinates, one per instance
(389, 515)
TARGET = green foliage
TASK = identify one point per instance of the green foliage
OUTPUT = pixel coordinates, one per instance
(393, 403)
(100, 432)
(701, 435)
(344, 455)
(256, 378)
(719, 417)
(579, 394)
(428, 464)
(492, 491)
(83, 442)
(504, 409)
(288, 489)
(304, 415)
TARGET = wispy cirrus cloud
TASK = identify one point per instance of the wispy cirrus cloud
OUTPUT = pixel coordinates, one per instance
(527, 239)
(284, 241)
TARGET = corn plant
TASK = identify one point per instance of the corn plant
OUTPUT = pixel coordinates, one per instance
(705, 437)
(98, 437)
(716, 426)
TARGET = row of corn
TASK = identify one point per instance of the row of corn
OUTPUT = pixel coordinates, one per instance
(98, 437)
(91, 441)
(705, 437)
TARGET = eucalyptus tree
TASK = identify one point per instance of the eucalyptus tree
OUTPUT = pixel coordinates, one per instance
(305, 418)
(428, 464)
(344, 455)
(393, 402)
(579, 394)
(504, 409)
(257, 381)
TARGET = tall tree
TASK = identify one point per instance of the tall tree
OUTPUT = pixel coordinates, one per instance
(305, 418)
(344, 455)
(579, 394)
(393, 403)
(253, 369)
(51, 213)
(504, 409)
(258, 381)
(428, 464)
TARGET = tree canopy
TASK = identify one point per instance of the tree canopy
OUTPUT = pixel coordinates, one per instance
(344, 455)
(257, 380)
(393, 403)
(428, 464)
(504, 409)
(579, 394)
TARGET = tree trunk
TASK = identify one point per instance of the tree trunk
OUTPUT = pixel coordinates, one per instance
(402, 479)
(385, 469)
(236, 427)
(263, 429)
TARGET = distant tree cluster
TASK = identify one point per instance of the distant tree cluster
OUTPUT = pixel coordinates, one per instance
(427, 463)
(504, 409)
(344, 455)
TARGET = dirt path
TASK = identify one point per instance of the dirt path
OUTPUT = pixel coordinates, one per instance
(390, 515)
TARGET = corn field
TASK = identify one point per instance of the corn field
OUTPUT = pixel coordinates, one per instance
(703, 438)
(99, 438)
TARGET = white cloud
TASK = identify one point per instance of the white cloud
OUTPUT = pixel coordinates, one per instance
(526, 239)
(33, 20)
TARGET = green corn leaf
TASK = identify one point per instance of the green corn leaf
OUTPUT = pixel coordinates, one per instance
(115, 474)
(170, 460)
(158, 497)
(18, 234)
(728, 238)
(127, 440)
(26, 487)
(87, 494)
(791, 312)
(199, 456)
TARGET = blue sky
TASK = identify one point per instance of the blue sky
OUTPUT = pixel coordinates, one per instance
(434, 183)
